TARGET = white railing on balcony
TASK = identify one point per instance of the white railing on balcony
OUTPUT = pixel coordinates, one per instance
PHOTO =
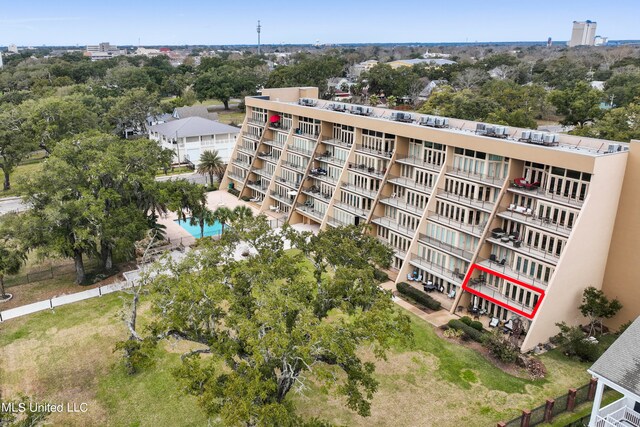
(617, 414)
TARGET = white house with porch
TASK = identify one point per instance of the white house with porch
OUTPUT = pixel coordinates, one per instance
(190, 137)
(619, 369)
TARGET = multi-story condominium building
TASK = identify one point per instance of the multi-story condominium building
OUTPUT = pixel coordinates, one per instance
(505, 222)
(583, 33)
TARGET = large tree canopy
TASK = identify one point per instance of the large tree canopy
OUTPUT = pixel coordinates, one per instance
(271, 320)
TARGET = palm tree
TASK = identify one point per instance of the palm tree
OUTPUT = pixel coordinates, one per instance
(242, 212)
(223, 215)
(211, 164)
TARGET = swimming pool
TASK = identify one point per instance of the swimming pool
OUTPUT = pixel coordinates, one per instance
(209, 230)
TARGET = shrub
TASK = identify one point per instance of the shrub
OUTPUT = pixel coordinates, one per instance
(500, 347)
(233, 191)
(574, 342)
(418, 296)
(380, 276)
(468, 330)
(477, 325)
(586, 350)
(245, 198)
(453, 333)
(466, 320)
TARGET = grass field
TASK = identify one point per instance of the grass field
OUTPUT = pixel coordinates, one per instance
(20, 174)
(67, 355)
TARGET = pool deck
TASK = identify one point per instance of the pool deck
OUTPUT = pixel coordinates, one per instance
(215, 200)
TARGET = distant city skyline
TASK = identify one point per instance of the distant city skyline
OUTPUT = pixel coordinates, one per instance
(71, 23)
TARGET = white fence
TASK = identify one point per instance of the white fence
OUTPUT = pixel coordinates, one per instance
(61, 300)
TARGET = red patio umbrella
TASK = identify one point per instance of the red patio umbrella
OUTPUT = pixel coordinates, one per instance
(275, 118)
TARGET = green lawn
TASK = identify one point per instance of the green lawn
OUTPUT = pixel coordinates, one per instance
(233, 117)
(21, 172)
(67, 354)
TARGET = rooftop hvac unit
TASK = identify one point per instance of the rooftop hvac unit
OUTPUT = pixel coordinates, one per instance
(612, 148)
(550, 139)
(481, 128)
(442, 122)
(526, 135)
(307, 102)
(536, 136)
(500, 131)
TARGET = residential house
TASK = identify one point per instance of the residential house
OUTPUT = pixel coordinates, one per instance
(190, 137)
(619, 368)
(431, 62)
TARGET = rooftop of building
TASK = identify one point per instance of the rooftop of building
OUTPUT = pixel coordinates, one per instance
(192, 126)
(620, 364)
(194, 111)
(431, 61)
(564, 142)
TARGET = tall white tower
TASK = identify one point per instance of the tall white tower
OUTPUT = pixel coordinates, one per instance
(583, 33)
(1, 60)
(258, 29)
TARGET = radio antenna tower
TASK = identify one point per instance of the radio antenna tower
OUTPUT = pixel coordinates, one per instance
(258, 29)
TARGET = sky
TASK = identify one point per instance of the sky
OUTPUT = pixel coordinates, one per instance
(178, 22)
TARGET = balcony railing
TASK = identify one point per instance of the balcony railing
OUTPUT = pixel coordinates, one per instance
(266, 156)
(453, 276)
(300, 150)
(446, 247)
(393, 224)
(331, 160)
(283, 181)
(258, 186)
(378, 153)
(243, 165)
(474, 176)
(617, 414)
(506, 270)
(235, 177)
(540, 223)
(259, 122)
(249, 149)
(502, 299)
(475, 230)
(467, 201)
(263, 173)
(310, 211)
(334, 222)
(251, 136)
(324, 178)
(287, 200)
(518, 246)
(294, 166)
(400, 203)
(352, 209)
(543, 194)
(337, 142)
(410, 183)
(362, 169)
(414, 161)
(273, 143)
(313, 191)
(359, 190)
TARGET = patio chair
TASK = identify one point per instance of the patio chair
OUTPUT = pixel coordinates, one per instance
(452, 294)
(410, 277)
(419, 279)
(494, 322)
(493, 258)
(503, 261)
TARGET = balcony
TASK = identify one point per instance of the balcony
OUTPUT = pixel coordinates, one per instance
(337, 143)
(334, 222)
(300, 150)
(517, 246)
(618, 413)
(235, 177)
(486, 290)
(314, 192)
(259, 186)
(455, 277)
(251, 136)
(294, 166)
(283, 181)
(371, 151)
(544, 224)
(263, 173)
(263, 155)
(352, 209)
(248, 149)
(287, 200)
(310, 132)
(240, 163)
(273, 143)
(476, 177)
(258, 122)
(414, 161)
(393, 224)
(475, 230)
(310, 212)
(368, 171)
(506, 270)
(359, 190)
(401, 204)
(324, 178)
(410, 183)
(326, 158)
(483, 205)
(446, 247)
(542, 194)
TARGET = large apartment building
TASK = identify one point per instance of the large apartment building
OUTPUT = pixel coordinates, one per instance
(510, 223)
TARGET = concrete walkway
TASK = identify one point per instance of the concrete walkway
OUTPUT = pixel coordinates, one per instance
(437, 318)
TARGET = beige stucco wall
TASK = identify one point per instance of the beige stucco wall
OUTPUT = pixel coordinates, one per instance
(621, 276)
(584, 259)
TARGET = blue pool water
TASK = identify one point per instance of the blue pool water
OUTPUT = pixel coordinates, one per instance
(194, 230)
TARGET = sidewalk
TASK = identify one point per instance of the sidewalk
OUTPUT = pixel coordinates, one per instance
(437, 318)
